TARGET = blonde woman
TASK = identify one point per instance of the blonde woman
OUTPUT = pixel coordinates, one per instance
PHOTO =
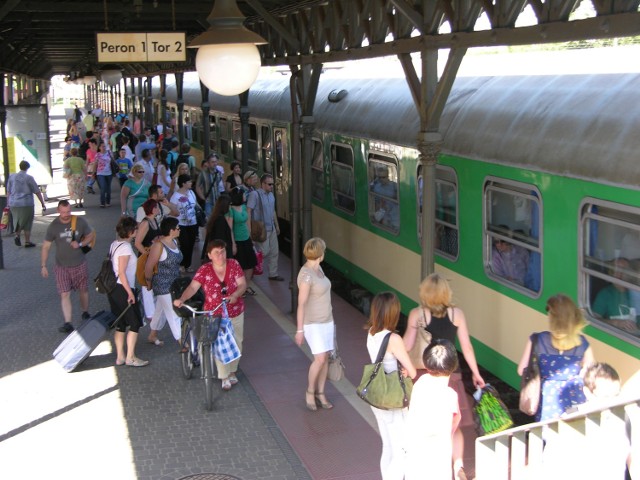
(563, 353)
(315, 321)
(444, 320)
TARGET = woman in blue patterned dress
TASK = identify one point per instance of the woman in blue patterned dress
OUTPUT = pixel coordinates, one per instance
(563, 353)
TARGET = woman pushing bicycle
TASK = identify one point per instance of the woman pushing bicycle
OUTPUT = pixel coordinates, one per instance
(220, 279)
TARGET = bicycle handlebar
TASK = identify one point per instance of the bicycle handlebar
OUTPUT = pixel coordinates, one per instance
(204, 312)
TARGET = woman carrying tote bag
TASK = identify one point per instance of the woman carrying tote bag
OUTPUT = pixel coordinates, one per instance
(383, 319)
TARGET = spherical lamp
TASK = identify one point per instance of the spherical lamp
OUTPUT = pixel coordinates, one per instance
(228, 61)
(111, 77)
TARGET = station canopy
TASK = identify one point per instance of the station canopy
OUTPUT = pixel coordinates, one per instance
(58, 37)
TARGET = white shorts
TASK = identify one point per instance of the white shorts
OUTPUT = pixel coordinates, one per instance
(320, 336)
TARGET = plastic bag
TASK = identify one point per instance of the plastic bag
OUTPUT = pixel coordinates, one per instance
(490, 413)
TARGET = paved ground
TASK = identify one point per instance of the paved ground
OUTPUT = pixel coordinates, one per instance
(107, 422)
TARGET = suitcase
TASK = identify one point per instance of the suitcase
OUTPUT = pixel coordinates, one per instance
(81, 342)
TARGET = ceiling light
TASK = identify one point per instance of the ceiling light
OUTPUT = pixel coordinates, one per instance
(228, 61)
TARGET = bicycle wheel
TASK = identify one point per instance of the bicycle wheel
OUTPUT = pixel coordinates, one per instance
(208, 368)
(186, 358)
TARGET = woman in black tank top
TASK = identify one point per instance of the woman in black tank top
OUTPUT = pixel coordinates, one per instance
(148, 228)
(443, 320)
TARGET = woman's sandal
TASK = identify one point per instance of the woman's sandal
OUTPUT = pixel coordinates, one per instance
(326, 406)
(157, 342)
(311, 406)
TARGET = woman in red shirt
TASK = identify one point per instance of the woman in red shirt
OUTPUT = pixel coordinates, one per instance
(221, 278)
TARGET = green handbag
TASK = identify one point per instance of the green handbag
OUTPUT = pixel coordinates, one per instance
(382, 390)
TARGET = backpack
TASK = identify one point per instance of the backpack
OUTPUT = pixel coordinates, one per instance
(106, 280)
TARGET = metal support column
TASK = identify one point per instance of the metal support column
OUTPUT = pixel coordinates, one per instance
(148, 108)
(180, 101)
(308, 125)
(163, 100)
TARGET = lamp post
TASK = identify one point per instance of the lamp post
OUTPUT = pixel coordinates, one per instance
(228, 61)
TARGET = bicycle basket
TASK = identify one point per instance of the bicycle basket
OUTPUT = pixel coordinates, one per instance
(206, 328)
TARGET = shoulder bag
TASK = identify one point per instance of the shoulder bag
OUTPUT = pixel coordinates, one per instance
(258, 230)
(336, 366)
(385, 391)
(85, 248)
(530, 384)
(423, 339)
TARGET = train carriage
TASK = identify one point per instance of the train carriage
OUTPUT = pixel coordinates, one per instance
(545, 165)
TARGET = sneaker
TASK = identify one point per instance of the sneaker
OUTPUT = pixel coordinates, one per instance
(233, 380)
(226, 384)
(85, 316)
(66, 328)
(16, 240)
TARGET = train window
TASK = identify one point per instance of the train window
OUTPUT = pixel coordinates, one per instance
(384, 202)
(224, 136)
(512, 235)
(236, 138)
(317, 171)
(265, 149)
(447, 225)
(610, 264)
(253, 146)
(213, 143)
(343, 184)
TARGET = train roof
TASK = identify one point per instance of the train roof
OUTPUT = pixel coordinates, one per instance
(585, 126)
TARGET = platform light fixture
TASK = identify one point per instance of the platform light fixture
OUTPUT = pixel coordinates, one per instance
(111, 76)
(228, 61)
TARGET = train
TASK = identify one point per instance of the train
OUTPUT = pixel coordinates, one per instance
(544, 167)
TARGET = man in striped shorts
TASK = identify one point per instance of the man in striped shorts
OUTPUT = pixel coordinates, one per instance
(71, 270)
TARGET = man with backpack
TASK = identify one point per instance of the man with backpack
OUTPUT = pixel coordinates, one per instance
(71, 269)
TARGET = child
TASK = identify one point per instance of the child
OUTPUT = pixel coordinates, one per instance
(433, 416)
(601, 382)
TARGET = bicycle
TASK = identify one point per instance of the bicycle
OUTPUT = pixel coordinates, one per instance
(199, 332)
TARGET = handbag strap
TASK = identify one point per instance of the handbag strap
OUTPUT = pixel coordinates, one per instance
(383, 348)
(532, 354)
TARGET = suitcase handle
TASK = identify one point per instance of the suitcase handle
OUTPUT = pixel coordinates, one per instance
(120, 316)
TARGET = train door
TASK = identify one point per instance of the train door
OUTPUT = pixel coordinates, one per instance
(280, 171)
(266, 156)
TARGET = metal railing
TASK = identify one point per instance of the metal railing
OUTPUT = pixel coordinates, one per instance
(594, 443)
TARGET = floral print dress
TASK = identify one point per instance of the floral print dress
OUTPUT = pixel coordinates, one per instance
(560, 375)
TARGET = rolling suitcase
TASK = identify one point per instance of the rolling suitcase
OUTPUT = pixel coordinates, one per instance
(81, 342)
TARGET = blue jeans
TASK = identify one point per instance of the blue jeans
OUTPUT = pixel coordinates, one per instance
(104, 181)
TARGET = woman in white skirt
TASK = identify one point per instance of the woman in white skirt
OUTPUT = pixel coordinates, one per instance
(315, 321)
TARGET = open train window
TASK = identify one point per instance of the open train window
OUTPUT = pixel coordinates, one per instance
(317, 171)
(213, 142)
(447, 225)
(343, 184)
(224, 136)
(384, 199)
(513, 235)
(609, 253)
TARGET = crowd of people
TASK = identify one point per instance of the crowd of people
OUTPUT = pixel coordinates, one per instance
(162, 190)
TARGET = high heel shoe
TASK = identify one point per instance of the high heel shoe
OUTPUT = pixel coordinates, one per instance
(310, 406)
(327, 406)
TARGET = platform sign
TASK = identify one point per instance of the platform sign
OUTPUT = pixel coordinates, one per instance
(125, 47)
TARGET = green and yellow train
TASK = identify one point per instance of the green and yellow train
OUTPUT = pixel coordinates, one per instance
(547, 167)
